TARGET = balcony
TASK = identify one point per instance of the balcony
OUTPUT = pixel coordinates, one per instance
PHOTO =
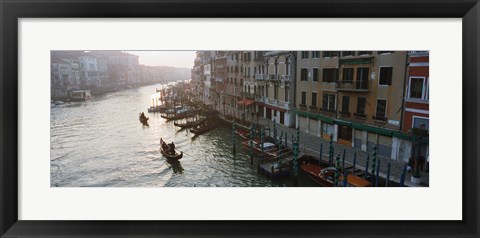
(353, 85)
(313, 109)
(345, 114)
(327, 110)
(379, 118)
(303, 107)
(278, 103)
(261, 77)
(285, 105)
(248, 95)
(274, 77)
(360, 115)
(418, 53)
(260, 98)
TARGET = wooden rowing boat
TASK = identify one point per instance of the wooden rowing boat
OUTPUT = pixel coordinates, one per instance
(325, 176)
(169, 152)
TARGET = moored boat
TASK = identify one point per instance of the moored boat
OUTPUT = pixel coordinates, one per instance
(243, 134)
(190, 123)
(80, 95)
(202, 128)
(325, 176)
(168, 150)
(161, 108)
(268, 147)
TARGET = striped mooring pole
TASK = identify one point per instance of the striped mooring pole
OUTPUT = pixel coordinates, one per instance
(388, 175)
(337, 170)
(345, 179)
(402, 177)
(366, 167)
(330, 153)
(252, 128)
(262, 135)
(280, 145)
(354, 162)
(376, 173)
(321, 153)
(374, 163)
(298, 135)
(343, 159)
(274, 132)
(295, 163)
(234, 151)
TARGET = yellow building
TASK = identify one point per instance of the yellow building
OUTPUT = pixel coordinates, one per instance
(356, 96)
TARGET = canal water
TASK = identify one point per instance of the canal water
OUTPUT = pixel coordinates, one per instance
(101, 143)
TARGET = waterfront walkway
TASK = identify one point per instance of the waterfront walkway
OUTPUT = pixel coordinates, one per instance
(310, 145)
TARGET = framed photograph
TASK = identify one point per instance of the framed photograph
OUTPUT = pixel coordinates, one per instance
(271, 118)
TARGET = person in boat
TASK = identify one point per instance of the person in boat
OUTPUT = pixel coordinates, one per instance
(164, 146)
(172, 148)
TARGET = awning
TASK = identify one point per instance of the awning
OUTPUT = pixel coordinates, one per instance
(377, 130)
(314, 116)
(343, 123)
(246, 102)
(368, 60)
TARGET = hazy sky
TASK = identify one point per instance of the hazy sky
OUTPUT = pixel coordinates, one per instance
(179, 59)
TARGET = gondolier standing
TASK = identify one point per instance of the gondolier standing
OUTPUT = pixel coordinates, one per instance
(172, 148)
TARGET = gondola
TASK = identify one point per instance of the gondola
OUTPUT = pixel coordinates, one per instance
(202, 128)
(189, 124)
(143, 119)
(165, 150)
(178, 116)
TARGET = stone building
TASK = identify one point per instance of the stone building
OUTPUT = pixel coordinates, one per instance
(275, 86)
(356, 96)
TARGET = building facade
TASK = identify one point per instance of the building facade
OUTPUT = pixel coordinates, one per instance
(416, 114)
(354, 96)
(275, 83)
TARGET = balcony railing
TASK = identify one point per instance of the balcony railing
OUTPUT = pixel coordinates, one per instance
(248, 95)
(261, 77)
(379, 118)
(345, 114)
(418, 53)
(278, 103)
(260, 98)
(280, 77)
(327, 110)
(353, 85)
(360, 115)
(273, 77)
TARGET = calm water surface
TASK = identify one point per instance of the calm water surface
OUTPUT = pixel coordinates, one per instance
(102, 143)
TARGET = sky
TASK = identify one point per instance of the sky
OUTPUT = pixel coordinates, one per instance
(178, 59)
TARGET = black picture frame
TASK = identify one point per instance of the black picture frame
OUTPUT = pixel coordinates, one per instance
(11, 11)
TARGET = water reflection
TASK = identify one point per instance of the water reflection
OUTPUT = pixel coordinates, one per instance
(101, 143)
